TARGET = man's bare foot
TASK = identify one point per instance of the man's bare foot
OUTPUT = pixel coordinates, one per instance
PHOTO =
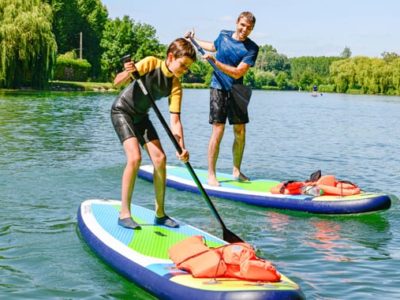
(241, 177)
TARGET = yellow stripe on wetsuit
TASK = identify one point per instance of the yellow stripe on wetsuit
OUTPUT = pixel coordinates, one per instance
(161, 81)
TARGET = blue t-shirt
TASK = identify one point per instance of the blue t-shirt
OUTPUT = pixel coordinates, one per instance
(232, 52)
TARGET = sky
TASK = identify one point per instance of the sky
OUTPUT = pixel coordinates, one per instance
(293, 27)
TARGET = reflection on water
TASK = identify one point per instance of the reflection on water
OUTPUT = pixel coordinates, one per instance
(327, 240)
(329, 237)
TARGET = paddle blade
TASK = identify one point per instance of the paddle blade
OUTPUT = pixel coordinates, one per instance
(241, 95)
(230, 237)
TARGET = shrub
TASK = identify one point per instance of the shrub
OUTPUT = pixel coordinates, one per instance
(326, 88)
(71, 69)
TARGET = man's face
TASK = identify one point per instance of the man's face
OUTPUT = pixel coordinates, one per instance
(243, 28)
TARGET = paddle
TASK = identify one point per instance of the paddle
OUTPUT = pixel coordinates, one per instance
(228, 235)
(241, 93)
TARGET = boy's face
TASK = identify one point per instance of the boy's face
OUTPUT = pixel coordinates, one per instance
(179, 66)
(243, 28)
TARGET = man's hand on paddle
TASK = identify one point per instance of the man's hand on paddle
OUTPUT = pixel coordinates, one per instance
(189, 34)
(208, 56)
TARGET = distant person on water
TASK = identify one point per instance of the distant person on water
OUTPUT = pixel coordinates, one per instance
(315, 91)
(129, 115)
(235, 53)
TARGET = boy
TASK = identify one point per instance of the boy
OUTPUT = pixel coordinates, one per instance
(131, 122)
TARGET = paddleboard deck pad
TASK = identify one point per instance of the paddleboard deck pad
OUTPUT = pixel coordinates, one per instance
(256, 192)
(142, 257)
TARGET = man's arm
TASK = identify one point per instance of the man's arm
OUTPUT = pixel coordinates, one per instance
(208, 46)
(234, 72)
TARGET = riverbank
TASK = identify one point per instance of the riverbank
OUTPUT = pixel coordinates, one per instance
(71, 86)
(82, 86)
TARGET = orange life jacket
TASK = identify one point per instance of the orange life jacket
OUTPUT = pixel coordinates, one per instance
(288, 188)
(327, 185)
(236, 260)
(331, 186)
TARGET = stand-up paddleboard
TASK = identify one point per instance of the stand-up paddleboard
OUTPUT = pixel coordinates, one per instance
(142, 257)
(257, 192)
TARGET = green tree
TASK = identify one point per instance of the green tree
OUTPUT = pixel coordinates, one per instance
(71, 17)
(264, 79)
(282, 80)
(67, 23)
(116, 42)
(309, 70)
(395, 66)
(146, 42)
(27, 44)
(389, 56)
(269, 59)
(346, 53)
(197, 72)
(124, 36)
(250, 78)
(368, 75)
(94, 17)
(342, 74)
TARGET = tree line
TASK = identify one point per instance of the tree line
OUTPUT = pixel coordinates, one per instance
(40, 41)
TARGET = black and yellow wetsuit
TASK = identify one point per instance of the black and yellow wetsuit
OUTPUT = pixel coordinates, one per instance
(129, 112)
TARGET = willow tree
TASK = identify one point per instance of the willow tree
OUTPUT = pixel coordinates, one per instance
(27, 44)
(366, 74)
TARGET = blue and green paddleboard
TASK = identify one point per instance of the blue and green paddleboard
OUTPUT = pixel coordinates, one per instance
(257, 192)
(142, 257)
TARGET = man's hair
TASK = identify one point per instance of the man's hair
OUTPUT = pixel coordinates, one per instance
(182, 47)
(249, 16)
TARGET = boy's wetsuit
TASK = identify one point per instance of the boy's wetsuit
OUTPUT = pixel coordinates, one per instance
(129, 112)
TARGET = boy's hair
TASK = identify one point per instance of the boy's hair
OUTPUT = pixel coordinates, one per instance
(249, 16)
(182, 47)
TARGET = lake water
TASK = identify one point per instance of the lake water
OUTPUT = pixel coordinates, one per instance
(57, 150)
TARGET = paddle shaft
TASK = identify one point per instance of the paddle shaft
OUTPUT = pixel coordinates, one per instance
(228, 235)
(221, 80)
(241, 92)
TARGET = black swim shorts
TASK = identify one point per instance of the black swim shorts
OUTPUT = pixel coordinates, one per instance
(223, 106)
(125, 128)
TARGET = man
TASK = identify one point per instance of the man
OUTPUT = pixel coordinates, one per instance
(235, 54)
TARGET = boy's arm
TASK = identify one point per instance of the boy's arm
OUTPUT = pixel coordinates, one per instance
(177, 131)
(177, 128)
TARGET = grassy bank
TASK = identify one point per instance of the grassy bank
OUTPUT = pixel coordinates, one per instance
(81, 86)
